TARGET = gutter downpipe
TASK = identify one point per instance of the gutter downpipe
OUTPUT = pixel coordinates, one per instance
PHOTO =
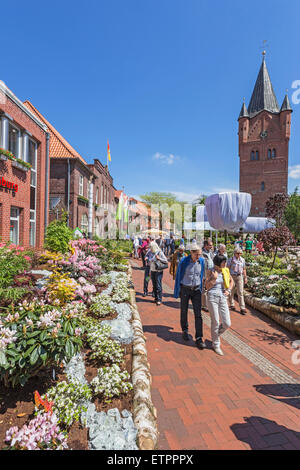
(46, 182)
(68, 193)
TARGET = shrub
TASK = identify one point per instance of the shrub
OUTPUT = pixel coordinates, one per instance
(101, 305)
(68, 400)
(58, 235)
(103, 347)
(61, 288)
(41, 433)
(288, 293)
(35, 336)
(111, 382)
(13, 261)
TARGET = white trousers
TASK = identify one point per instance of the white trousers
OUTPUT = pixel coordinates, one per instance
(220, 316)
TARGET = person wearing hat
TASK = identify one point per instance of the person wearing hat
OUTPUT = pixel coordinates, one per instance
(188, 286)
(218, 284)
(175, 260)
(237, 267)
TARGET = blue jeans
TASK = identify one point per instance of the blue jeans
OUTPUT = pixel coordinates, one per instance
(146, 279)
(156, 277)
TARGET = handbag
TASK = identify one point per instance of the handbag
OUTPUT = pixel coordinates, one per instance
(160, 265)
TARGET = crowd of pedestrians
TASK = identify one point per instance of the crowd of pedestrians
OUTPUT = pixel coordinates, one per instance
(206, 277)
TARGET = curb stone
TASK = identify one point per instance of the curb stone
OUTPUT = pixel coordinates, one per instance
(144, 412)
(278, 314)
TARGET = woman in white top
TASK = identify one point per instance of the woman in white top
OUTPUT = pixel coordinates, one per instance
(217, 301)
(156, 254)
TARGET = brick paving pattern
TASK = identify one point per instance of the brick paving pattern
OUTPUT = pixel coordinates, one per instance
(247, 399)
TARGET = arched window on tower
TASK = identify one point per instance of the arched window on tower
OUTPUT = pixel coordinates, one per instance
(252, 156)
(262, 186)
(269, 154)
(257, 155)
(274, 153)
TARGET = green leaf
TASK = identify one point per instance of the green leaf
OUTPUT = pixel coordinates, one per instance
(29, 351)
(70, 351)
(22, 362)
(34, 356)
(3, 361)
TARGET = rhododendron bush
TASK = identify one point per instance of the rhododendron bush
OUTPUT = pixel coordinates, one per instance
(35, 335)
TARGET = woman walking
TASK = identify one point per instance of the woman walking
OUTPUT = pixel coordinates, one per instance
(156, 255)
(175, 260)
(218, 284)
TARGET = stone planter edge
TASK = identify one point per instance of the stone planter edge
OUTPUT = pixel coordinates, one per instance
(144, 412)
(276, 313)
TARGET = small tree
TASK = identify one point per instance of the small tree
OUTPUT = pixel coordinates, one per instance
(279, 235)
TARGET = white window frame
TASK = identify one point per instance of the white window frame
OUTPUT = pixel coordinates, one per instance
(18, 153)
(15, 219)
(80, 185)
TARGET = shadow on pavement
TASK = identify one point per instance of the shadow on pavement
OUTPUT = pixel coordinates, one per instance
(262, 433)
(272, 338)
(166, 333)
(285, 393)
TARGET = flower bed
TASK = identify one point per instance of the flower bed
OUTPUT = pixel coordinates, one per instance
(55, 342)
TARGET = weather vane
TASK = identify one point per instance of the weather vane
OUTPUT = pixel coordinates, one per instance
(264, 46)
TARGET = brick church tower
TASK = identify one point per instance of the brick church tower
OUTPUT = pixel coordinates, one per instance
(264, 133)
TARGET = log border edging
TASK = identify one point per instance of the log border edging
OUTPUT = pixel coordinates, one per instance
(144, 412)
(276, 313)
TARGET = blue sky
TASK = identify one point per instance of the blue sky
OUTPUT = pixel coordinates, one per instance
(163, 80)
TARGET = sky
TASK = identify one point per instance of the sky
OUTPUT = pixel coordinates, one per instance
(162, 80)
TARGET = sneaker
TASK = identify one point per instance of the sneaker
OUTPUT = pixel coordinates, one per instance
(232, 307)
(200, 344)
(158, 303)
(144, 294)
(219, 351)
(243, 311)
(185, 336)
(205, 309)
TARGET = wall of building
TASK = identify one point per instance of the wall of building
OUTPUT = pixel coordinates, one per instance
(21, 198)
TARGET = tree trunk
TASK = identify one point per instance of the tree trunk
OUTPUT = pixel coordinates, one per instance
(274, 260)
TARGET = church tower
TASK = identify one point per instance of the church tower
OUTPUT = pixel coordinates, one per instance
(264, 133)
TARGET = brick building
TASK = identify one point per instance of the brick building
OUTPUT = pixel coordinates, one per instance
(83, 190)
(24, 180)
(264, 133)
(104, 200)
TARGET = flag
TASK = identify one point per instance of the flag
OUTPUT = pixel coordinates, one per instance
(126, 209)
(108, 152)
(120, 207)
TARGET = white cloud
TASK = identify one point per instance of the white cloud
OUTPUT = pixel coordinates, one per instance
(294, 172)
(182, 196)
(165, 159)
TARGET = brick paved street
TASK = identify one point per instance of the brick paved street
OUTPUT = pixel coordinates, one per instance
(247, 399)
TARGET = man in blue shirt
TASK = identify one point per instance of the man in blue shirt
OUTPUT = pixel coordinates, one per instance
(188, 285)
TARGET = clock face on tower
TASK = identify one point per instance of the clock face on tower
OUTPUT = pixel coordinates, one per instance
(264, 134)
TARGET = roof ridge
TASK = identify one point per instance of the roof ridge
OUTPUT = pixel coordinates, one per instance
(62, 140)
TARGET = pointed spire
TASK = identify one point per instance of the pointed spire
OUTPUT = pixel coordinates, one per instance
(244, 111)
(286, 104)
(263, 96)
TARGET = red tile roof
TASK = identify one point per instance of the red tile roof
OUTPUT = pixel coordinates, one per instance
(59, 147)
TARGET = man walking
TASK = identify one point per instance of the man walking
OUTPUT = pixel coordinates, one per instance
(188, 285)
(237, 267)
